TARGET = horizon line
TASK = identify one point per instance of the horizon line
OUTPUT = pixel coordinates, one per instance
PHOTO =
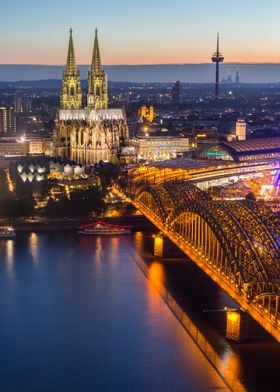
(146, 64)
(129, 81)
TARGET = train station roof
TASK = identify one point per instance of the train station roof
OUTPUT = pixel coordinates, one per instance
(239, 148)
(186, 163)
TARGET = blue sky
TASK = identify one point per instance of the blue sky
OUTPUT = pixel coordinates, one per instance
(139, 32)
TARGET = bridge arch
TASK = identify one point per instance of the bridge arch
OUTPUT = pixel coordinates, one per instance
(260, 235)
(235, 243)
(200, 228)
(151, 199)
(186, 191)
(266, 298)
(193, 220)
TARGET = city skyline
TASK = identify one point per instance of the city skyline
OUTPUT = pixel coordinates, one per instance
(152, 32)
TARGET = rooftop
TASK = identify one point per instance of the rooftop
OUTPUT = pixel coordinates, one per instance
(91, 115)
(187, 164)
(253, 145)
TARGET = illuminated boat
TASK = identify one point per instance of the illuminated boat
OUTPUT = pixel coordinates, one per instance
(104, 228)
(7, 232)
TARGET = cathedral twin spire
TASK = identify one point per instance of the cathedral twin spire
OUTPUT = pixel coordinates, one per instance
(96, 60)
(97, 96)
(71, 93)
(71, 62)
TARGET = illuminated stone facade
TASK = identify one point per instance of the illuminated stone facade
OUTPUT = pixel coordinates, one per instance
(92, 136)
(11, 148)
(147, 113)
(156, 148)
(20, 146)
(240, 130)
(88, 135)
(7, 119)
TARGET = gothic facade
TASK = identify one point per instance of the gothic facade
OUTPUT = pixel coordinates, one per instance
(95, 132)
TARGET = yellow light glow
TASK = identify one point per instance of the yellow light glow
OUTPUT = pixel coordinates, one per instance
(33, 245)
(201, 135)
(10, 183)
(233, 317)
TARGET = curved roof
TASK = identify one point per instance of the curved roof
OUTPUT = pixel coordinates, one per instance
(252, 146)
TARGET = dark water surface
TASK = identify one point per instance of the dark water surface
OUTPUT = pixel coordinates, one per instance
(77, 314)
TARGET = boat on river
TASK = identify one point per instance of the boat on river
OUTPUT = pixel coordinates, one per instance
(7, 232)
(104, 228)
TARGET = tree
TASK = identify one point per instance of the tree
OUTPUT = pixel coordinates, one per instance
(84, 202)
(13, 207)
(250, 196)
(51, 208)
(25, 206)
(81, 203)
(3, 183)
(108, 173)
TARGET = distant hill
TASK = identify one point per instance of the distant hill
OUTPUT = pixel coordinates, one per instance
(192, 73)
(33, 84)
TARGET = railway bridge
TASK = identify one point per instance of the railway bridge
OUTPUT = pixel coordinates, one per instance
(235, 243)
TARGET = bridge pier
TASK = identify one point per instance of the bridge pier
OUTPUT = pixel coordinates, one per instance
(158, 245)
(238, 325)
(164, 248)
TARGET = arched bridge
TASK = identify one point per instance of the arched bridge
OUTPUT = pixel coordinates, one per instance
(235, 243)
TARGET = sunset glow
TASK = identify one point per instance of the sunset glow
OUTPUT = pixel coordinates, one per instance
(150, 32)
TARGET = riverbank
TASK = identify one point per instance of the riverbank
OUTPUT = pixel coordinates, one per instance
(138, 222)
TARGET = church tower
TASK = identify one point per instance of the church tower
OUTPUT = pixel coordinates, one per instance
(97, 94)
(71, 93)
(240, 129)
(93, 133)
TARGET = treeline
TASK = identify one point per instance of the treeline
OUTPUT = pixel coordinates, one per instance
(18, 203)
(107, 173)
(81, 203)
(84, 202)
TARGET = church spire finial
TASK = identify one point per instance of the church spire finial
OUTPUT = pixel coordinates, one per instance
(71, 62)
(96, 60)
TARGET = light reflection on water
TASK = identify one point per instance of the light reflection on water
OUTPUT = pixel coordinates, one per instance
(33, 247)
(10, 254)
(227, 364)
(156, 274)
(7, 254)
(195, 293)
(84, 318)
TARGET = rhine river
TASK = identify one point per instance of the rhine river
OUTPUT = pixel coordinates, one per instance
(78, 314)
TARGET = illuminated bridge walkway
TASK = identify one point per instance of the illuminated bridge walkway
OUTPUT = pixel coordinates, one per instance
(235, 243)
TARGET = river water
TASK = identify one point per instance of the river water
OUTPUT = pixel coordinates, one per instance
(77, 314)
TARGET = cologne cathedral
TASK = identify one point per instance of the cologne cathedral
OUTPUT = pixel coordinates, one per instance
(91, 133)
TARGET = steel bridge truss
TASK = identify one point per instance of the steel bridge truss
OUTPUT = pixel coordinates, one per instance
(235, 241)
